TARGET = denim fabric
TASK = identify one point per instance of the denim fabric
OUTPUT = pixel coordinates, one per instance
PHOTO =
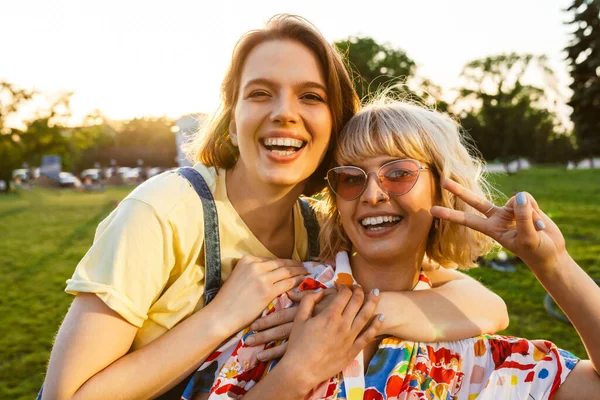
(212, 253)
(212, 245)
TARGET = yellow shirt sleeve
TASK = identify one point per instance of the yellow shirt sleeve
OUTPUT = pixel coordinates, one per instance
(129, 263)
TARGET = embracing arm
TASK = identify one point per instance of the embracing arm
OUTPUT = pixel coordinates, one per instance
(456, 308)
(90, 361)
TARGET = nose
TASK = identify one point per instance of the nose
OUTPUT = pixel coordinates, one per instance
(374, 193)
(284, 109)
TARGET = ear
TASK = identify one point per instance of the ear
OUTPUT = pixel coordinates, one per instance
(233, 133)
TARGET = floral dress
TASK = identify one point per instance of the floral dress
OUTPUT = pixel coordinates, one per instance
(486, 367)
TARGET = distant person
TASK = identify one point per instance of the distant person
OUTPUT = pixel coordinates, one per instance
(138, 325)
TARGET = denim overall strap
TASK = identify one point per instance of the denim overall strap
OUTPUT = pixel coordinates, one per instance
(312, 229)
(212, 255)
(212, 245)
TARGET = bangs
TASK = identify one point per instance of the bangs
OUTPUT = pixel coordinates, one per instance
(382, 130)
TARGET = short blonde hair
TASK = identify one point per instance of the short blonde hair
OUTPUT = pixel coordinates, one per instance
(212, 145)
(404, 130)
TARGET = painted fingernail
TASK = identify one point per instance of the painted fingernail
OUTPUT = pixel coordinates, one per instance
(521, 198)
(540, 224)
(376, 292)
(318, 290)
(250, 340)
(381, 318)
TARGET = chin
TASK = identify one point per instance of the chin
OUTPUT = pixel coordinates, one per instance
(282, 178)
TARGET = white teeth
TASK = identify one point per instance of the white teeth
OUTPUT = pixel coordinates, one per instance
(283, 152)
(379, 220)
(287, 142)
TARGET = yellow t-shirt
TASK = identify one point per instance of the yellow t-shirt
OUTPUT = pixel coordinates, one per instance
(147, 259)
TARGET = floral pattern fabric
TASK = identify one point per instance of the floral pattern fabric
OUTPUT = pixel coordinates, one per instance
(234, 369)
(486, 367)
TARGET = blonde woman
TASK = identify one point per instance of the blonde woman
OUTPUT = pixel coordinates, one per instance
(406, 190)
(141, 320)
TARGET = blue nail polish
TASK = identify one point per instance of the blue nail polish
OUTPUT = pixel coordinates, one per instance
(521, 198)
(376, 292)
(318, 290)
(540, 224)
(381, 318)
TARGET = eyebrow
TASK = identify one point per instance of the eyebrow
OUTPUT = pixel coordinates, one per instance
(270, 83)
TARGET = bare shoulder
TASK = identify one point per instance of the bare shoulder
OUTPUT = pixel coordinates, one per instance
(439, 275)
(582, 383)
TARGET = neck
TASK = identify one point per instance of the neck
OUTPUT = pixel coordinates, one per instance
(265, 209)
(393, 275)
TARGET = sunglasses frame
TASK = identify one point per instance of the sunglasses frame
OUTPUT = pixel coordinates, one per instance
(366, 174)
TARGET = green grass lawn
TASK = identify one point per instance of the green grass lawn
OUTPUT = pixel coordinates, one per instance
(43, 234)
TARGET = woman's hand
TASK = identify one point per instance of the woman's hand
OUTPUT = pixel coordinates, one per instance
(520, 226)
(278, 325)
(321, 345)
(253, 283)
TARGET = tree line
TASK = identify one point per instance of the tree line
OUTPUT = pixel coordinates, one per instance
(506, 117)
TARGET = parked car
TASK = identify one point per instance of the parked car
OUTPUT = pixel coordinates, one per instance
(67, 179)
(129, 174)
(20, 174)
(92, 173)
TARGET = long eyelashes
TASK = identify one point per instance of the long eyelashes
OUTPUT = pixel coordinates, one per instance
(313, 97)
(258, 93)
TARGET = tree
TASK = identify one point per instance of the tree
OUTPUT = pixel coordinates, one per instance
(11, 157)
(380, 67)
(583, 54)
(506, 118)
(374, 65)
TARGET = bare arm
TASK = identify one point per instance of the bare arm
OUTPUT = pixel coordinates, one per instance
(523, 228)
(90, 360)
(457, 307)
(94, 338)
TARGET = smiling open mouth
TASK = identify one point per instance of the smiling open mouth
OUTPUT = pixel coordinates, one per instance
(378, 223)
(283, 146)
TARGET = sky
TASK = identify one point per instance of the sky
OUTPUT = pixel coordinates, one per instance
(131, 58)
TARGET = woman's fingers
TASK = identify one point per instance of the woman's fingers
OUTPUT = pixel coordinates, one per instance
(287, 284)
(479, 203)
(307, 305)
(286, 272)
(275, 319)
(340, 300)
(296, 296)
(460, 217)
(369, 334)
(526, 230)
(272, 353)
(355, 303)
(366, 312)
(278, 332)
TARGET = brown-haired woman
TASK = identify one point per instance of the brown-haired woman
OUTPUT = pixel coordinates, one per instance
(138, 325)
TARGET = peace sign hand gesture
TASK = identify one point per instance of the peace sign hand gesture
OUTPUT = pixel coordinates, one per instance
(520, 226)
